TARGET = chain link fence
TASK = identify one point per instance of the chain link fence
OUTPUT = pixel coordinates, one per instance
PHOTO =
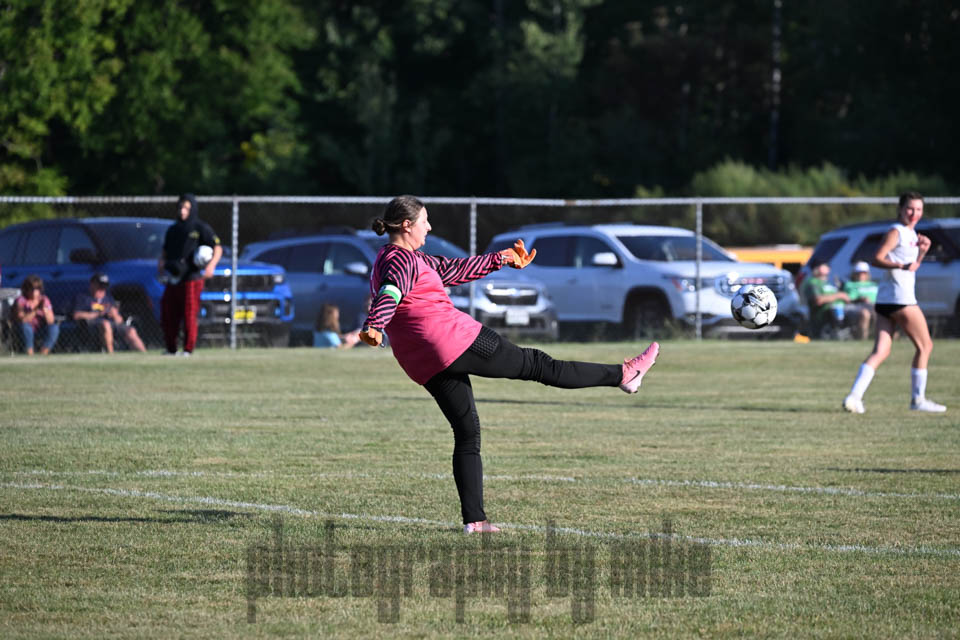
(70, 239)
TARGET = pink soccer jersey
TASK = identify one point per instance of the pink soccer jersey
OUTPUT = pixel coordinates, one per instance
(427, 333)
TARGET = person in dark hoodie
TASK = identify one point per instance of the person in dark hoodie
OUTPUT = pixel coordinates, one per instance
(184, 277)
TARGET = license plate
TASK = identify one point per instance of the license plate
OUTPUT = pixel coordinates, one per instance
(517, 317)
(245, 314)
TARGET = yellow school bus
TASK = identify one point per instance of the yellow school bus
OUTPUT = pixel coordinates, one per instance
(783, 256)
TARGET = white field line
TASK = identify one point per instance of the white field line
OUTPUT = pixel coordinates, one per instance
(833, 491)
(166, 473)
(703, 484)
(280, 508)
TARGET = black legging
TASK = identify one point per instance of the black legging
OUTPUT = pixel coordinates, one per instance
(493, 356)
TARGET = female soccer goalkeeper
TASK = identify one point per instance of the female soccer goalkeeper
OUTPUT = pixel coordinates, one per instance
(439, 346)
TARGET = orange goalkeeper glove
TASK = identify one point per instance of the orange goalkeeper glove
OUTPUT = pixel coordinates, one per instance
(517, 256)
(371, 336)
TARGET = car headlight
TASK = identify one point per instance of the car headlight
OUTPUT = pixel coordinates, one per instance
(278, 278)
(686, 285)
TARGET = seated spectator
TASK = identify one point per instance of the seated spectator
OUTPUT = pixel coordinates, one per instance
(327, 330)
(362, 318)
(826, 301)
(101, 313)
(863, 295)
(33, 312)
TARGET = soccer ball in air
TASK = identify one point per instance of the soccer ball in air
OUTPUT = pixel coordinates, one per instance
(754, 306)
(203, 255)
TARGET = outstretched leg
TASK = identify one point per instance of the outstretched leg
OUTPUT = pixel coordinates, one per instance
(493, 356)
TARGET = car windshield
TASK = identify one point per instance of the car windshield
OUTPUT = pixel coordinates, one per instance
(132, 240)
(826, 249)
(434, 246)
(672, 248)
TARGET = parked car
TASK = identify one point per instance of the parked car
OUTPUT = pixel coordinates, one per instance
(642, 277)
(938, 278)
(335, 268)
(66, 252)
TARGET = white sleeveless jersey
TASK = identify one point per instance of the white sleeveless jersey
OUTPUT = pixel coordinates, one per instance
(898, 285)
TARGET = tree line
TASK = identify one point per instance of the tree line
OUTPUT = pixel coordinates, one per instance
(538, 98)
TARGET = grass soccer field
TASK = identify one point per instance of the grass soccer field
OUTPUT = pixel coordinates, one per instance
(290, 493)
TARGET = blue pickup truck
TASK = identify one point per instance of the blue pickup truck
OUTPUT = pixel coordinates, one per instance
(66, 252)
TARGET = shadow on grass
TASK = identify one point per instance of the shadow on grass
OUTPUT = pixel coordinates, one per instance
(889, 470)
(646, 405)
(657, 405)
(177, 517)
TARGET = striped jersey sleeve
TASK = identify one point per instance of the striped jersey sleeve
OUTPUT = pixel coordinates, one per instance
(454, 271)
(395, 269)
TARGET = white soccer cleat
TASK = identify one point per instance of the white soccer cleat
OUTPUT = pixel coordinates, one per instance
(853, 404)
(922, 404)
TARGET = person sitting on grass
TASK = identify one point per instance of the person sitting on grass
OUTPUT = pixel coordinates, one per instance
(327, 332)
(33, 312)
(100, 312)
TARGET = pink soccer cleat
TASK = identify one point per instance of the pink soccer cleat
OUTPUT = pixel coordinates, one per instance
(480, 527)
(633, 370)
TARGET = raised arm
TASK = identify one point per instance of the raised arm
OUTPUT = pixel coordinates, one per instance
(889, 241)
(454, 271)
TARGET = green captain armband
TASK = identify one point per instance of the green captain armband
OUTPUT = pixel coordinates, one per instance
(391, 290)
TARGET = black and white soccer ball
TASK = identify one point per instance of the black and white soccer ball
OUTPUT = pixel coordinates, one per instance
(202, 256)
(754, 306)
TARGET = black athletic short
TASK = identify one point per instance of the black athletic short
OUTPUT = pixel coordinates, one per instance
(887, 310)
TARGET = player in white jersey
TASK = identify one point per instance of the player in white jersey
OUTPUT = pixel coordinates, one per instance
(900, 253)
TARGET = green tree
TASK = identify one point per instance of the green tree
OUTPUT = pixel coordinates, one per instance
(204, 102)
(135, 96)
(57, 72)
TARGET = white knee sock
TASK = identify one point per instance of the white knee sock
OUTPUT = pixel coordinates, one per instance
(918, 382)
(864, 378)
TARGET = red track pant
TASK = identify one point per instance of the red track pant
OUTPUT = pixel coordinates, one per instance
(181, 303)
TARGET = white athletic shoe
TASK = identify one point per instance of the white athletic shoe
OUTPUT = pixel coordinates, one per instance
(922, 404)
(853, 404)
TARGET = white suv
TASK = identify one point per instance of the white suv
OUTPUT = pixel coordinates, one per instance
(641, 277)
(938, 278)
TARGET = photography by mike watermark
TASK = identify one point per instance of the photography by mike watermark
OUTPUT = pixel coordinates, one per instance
(655, 565)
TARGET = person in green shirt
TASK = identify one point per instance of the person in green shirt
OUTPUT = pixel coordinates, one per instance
(863, 295)
(825, 299)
